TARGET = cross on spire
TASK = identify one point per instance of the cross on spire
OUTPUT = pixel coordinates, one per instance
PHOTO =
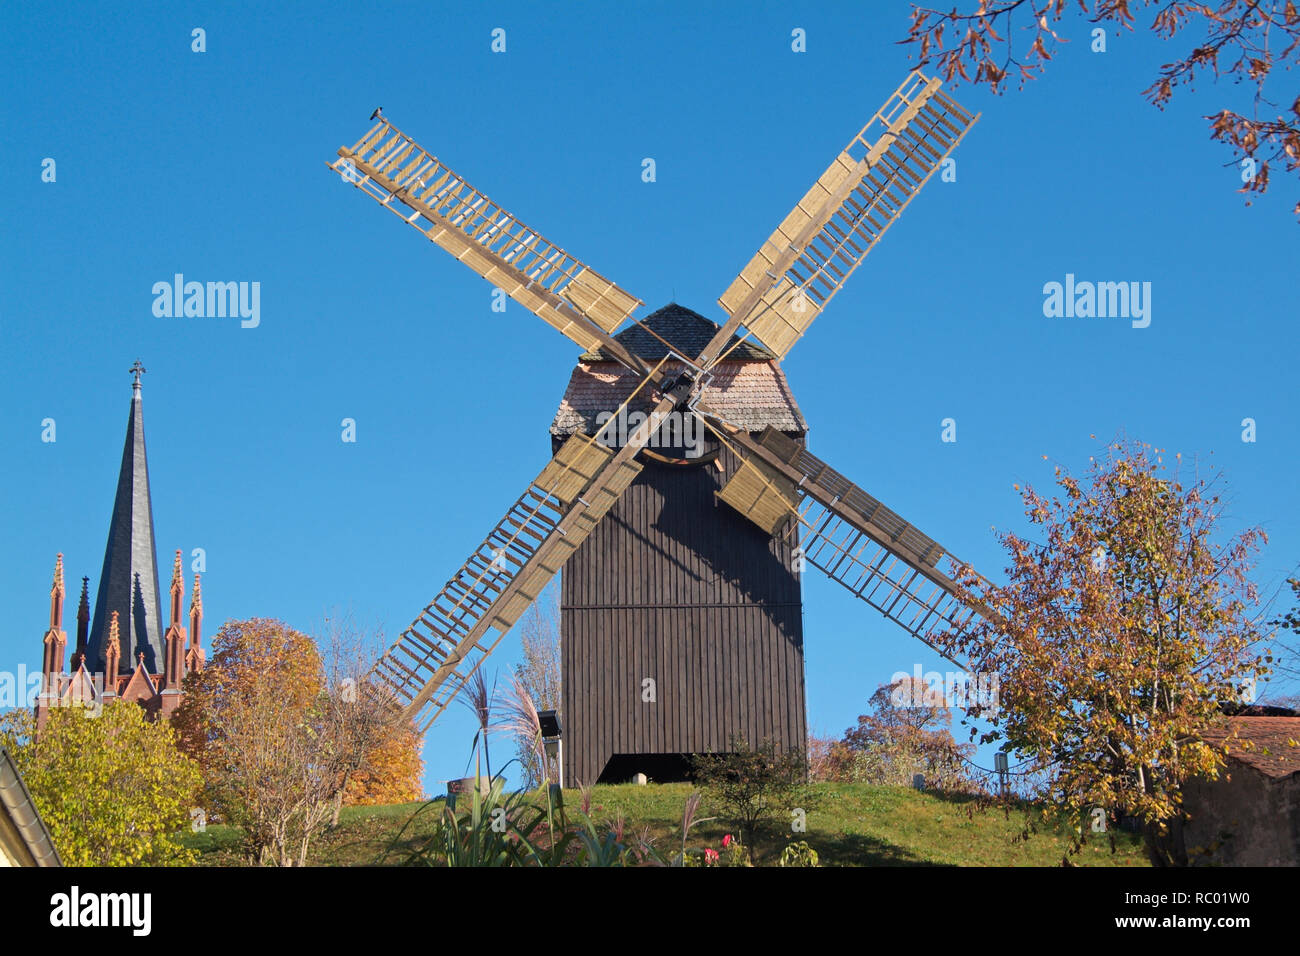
(137, 370)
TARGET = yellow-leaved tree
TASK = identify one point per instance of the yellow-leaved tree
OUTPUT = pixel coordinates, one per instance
(1127, 621)
(111, 784)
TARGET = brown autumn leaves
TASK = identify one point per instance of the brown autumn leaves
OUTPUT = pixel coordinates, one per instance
(1251, 43)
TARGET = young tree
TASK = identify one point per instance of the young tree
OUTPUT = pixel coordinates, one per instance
(1248, 42)
(279, 733)
(112, 788)
(907, 733)
(1117, 637)
(750, 784)
(376, 753)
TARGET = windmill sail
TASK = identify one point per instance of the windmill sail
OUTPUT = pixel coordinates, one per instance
(433, 658)
(852, 537)
(569, 295)
(830, 231)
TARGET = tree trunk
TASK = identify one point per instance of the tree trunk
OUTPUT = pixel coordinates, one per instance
(338, 802)
(1167, 849)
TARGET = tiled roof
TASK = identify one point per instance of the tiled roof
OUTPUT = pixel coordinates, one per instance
(748, 387)
(752, 395)
(1270, 745)
(687, 331)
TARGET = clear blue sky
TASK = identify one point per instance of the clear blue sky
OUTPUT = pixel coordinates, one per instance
(213, 165)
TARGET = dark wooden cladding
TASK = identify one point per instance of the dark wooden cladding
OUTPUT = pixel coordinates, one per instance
(676, 587)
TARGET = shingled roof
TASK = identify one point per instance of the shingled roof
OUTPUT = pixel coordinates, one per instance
(687, 331)
(1270, 745)
(748, 387)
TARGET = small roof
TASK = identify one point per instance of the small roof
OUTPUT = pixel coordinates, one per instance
(748, 387)
(1270, 745)
(17, 807)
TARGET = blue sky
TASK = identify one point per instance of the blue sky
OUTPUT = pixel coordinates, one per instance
(213, 165)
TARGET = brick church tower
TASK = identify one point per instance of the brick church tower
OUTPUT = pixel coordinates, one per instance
(126, 654)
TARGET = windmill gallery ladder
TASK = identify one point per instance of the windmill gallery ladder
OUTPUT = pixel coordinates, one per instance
(431, 661)
(860, 543)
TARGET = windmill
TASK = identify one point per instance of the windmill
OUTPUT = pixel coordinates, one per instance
(795, 509)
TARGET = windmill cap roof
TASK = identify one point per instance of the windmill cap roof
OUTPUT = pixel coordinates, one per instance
(747, 388)
(686, 330)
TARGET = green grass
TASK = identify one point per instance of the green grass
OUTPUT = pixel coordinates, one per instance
(848, 825)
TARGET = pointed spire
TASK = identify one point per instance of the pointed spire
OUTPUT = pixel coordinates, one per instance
(55, 638)
(56, 595)
(83, 626)
(194, 657)
(83, 609)
(128, 583)
(174, 639)
(177, 590)
(112, 656)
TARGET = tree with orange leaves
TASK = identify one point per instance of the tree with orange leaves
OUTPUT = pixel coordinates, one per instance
(279, 733)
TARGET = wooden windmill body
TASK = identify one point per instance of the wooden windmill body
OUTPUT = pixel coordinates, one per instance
(681, 579)
(681, 622)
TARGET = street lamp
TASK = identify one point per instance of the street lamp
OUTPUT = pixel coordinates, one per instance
(549, 724)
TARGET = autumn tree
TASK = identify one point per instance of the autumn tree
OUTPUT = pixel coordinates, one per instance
(1251, 43)
(1118, 634)
(377, 753)
(392, 772)
(279, 732)
(110, 784)
(907, 732)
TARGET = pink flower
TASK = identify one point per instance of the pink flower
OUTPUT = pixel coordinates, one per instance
(726, 841)
(710, 855)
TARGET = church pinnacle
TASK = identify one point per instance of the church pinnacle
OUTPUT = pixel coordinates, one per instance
(128, 583)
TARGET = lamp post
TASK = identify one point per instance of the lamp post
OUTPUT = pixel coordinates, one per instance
(549, 723)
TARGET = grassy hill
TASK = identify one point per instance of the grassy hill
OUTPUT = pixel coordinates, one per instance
(848, 825)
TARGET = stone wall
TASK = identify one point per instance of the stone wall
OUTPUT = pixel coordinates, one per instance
(1244, 818)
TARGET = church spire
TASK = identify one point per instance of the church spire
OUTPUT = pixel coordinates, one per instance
(83, 626)
(174, 643)
(194, 657)
(55, 637)
(128, 583)
(56, 595)
(112, 657)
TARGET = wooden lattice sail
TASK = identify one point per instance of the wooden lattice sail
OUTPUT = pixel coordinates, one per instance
(433, 658)
(830, 231)
(762, 494)
(845, 532)
(565, 292)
